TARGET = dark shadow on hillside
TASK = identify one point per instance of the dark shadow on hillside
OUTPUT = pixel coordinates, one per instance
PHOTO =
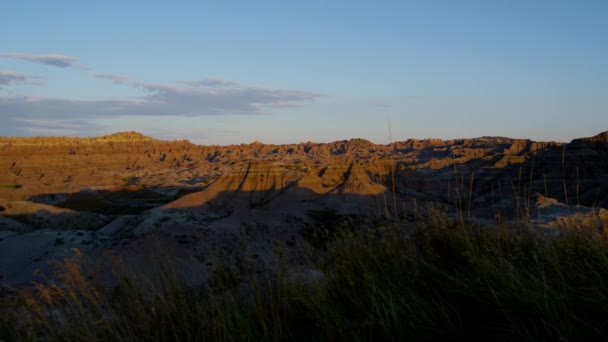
(239, 222)
(114, 203)
(576, 174)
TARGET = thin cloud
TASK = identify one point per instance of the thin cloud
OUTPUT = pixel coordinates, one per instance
(58, 127)
(213, 82)
(11, 77)
(115, 79)
(49, 126)
(214, 98)
(56, 60)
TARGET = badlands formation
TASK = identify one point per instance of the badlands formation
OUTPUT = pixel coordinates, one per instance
(135, 197)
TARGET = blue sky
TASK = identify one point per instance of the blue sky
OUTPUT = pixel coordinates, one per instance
(290, 71)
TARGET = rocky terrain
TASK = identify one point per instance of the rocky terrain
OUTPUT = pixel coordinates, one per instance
(130, 195)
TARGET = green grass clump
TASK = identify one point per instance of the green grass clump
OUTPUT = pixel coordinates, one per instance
(435, 281)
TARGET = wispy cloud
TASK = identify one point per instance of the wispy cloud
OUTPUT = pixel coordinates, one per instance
(212, 96)
(197, 98)
(56, 60)
(212, 82)
(58, 127)
(11, 77)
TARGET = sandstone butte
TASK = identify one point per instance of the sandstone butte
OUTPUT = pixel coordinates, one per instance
(104, 193)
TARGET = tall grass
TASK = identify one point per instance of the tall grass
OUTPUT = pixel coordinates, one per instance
(434, 280)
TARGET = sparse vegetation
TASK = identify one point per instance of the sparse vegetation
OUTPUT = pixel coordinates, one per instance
(433, 281)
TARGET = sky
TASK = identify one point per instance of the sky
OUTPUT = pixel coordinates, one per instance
(231, 72)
